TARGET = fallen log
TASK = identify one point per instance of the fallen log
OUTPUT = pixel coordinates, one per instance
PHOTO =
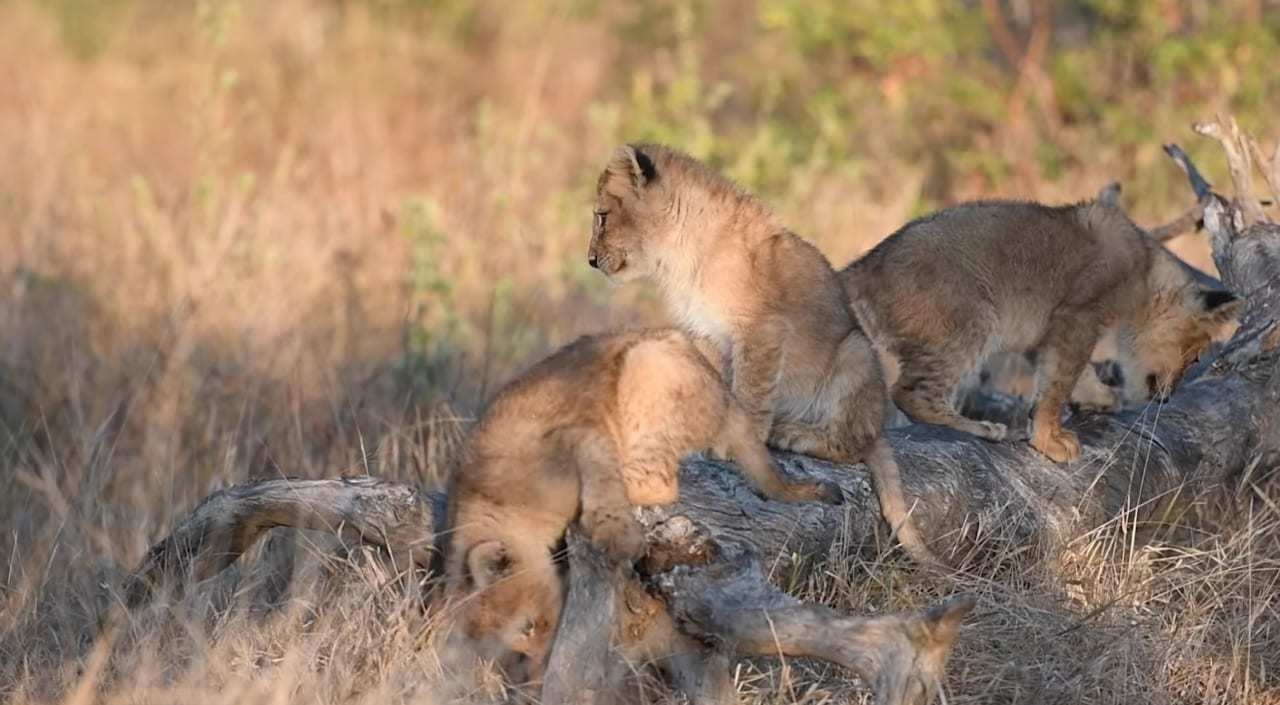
(701, 594)
(390, 515)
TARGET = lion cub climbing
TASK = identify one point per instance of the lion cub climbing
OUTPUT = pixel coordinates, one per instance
(946, 291)
(758, 298)
(591, 431)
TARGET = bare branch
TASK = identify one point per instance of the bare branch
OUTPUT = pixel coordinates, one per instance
(1239, 162)
(1185, 223)
(1270, 169)
(1000, 32)
(1199, 185)
(611, 625)
(1247, 257)
(902, 656)
(1246, 253)
(584, 667)
(1027, 61)
(227, 523)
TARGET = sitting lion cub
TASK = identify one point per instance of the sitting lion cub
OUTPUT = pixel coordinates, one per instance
(591, 431)
(761, 297)
(946, 291)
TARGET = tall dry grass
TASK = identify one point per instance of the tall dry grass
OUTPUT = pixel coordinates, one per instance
(257, 239)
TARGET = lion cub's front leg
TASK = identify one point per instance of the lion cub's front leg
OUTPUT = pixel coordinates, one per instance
(607, 516)
(756, 363)
(614, 529)
(1063, 357)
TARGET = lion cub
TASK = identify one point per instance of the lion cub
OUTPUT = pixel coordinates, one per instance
(947, 290)
(591, 431)
(762, 302)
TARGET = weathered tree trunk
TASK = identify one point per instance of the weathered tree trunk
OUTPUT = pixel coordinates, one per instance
(702, 567)
(227, 523)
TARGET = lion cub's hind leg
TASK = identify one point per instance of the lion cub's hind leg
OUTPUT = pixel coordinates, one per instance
(855, 401)
(739, 438)
(926, 392)
(671, 403)
(846, 415)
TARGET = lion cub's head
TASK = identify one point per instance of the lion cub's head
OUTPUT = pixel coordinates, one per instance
(508, 606)
(1184, 313)
(641, 205)
(1180, 323)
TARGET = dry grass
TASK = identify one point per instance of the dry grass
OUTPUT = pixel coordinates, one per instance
(275, 238)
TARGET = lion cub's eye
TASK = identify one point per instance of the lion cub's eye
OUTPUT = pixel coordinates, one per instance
(530, 628)
(601, 217)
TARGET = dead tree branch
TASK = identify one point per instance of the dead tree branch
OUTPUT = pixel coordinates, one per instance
(1239, 153)
(732, 605)
(1270, 169)
(1185, 223)
(228, 522)
(1199, 185)
(585, 667)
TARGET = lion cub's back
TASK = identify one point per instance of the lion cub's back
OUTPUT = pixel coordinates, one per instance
(979, 248)
(667, 388)
(581, 385)
(1009, 262)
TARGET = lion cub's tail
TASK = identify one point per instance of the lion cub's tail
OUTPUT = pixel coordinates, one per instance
(893, 505)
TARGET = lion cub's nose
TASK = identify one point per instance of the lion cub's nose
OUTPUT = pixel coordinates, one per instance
(591, 260)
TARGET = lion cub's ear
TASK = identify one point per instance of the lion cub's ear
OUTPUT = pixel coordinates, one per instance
(631, 168)
(488, 562)
(1222, 312)
(1109, 195)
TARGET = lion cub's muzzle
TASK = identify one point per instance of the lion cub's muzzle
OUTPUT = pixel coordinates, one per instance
(608, 262)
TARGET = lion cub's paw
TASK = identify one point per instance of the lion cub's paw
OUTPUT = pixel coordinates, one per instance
(1058, 444)
(615, 532)
(817, 491)
(720, 451)
(1103, 400)
(991, 431)
(826, 492)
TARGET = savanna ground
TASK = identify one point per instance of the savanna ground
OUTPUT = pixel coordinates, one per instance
(249, 239)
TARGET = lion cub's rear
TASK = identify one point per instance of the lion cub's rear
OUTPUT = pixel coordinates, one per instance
(591, 431)
(761, 300)
(949, 289)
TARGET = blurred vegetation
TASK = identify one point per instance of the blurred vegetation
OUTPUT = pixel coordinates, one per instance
(763, 88)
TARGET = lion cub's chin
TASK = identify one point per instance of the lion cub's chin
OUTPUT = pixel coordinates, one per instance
(625, 274)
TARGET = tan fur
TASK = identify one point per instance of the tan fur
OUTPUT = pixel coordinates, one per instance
(591, 431)
(764, 303)
(948, 290)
